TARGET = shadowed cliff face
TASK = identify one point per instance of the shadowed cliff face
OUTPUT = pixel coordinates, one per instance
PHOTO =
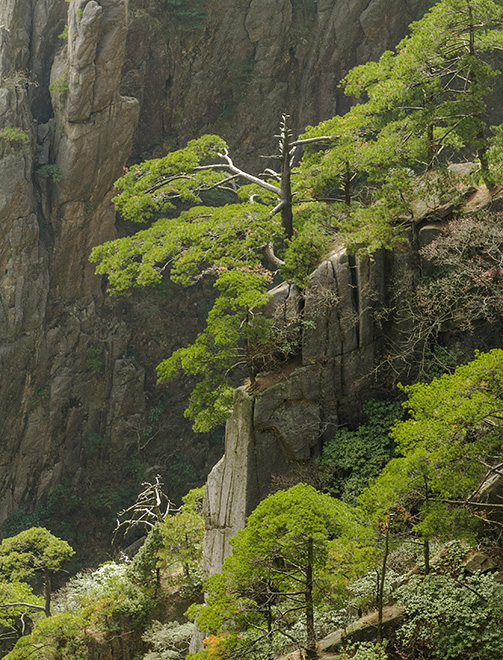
(79, 407)
(249, 62)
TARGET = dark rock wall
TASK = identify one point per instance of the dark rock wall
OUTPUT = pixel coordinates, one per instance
(79, 409)
(251, 61)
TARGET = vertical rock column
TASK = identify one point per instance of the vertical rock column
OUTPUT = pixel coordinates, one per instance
(276, 431)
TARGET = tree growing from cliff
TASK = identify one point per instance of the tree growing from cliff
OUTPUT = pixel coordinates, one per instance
(298, 546)
(361, 175)
(236, 241)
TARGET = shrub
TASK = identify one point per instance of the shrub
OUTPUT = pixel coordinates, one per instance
(352, 458)
(187, 14)
(52, 172)
(15, 136)
(59, 86)
(170, 641)
(365, 651)
(452, 619)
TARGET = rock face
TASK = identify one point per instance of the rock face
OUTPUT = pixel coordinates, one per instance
(275, 431)
(79, 411)
(55, 206)
(236, 70)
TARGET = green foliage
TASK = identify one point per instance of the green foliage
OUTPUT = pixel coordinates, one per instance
(59, 512)
(39, 517)
(60, 637)
(353, 458)
(152, 186)
(452, 619)
(224, 242)
(173, 544)
(365, 651)
(219, 346)
(145, 565)
(429, 109)
(59, 86)
(40, 394)
(170, 641)
(423, 103)
(188, 15)
(298, 546)
(181, 474)
(32, 550)
(309, 243)
(450, 440)
(456, 416)
(93, 443)
(228, 240)
(183, 539)
(64, 34)
(52, 172)
(15, 136)
(17, 600)
(364, 592)
(108, 592)
(363, 176)
(120, 598)
(94, 360)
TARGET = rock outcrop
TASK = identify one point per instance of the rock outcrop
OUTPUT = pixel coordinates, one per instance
(275, 431)
(56, 205)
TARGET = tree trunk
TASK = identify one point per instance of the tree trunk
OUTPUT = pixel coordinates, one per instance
(380, 596)
(286, 188)
(270, 651)
(347, 185)
(285, 195)
(432, 151)
(310, 634)
(481, 144)
(47, 591)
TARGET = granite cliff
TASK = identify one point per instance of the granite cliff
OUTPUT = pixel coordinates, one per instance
(81, 421)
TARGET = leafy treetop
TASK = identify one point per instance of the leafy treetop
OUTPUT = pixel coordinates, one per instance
(296, 547)
(423, 104)
(451, 443)
(32, 550)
